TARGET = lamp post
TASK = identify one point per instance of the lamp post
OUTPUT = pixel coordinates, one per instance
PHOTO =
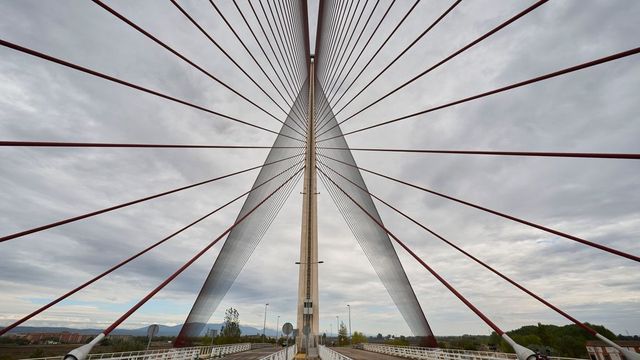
(350, 337)
(338, 328)
(264, 326)
(277, 330)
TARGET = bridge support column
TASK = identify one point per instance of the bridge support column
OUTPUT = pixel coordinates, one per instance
(308, 310)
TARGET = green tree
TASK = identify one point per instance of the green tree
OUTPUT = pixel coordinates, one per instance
(121, 345)
(230, 331)
(399, 341)
(205, 340)
(358, 338)
(565, 341)
(343, 339)
(37, 353)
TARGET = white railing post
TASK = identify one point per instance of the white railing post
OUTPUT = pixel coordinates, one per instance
(190, 353)
(285, 354)
(212, 352)
(329, 354)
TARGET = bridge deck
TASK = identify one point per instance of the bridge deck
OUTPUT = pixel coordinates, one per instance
(356, 354)
(253, 354)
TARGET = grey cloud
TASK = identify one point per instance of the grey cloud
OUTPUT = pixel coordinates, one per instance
(592, 110)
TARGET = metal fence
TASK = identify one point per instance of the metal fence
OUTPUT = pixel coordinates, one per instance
(414, 352)
(190, 353)
(284, 354)
(328, 354)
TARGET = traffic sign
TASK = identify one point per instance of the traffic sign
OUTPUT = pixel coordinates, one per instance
(287, 329)
(153, 330)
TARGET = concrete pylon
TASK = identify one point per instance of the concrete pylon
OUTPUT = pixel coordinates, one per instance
(308, 309)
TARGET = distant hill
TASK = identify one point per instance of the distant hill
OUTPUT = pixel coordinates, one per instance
(164, 330)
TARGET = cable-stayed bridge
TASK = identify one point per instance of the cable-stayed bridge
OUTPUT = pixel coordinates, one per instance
(313, 79)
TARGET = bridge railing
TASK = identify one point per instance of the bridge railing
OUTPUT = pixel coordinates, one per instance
(329, 354)
(208, 352)
(284, 354)
(414, 352)
(190, 353)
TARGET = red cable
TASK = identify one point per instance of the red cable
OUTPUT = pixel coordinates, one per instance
(191, 261)
(132, 85)
(406, 49)
(582, 66)
(332, 96)
(506, 278)
(433, 272)
(513, 218)
(111, 208)
(135, 145)
(179, 55)
(499, 153)
(126, 261)
(458, 52)
(214, 42)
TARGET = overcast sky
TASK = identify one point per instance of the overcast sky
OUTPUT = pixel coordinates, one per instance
(594, 110)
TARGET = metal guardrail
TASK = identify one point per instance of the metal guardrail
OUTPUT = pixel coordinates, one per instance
(414, 352)
(209, 352)
(190, 353)
(284, 354)
(328, 354)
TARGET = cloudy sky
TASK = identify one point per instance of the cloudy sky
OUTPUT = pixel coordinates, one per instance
(594, 110)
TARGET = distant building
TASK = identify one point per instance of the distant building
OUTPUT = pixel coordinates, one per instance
(598, 350)
(57, 338)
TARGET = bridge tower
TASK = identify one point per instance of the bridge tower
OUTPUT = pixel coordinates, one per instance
(308, 311)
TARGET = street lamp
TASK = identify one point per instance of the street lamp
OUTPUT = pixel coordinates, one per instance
(350, 337)
(338, 327)
(264, 326)
(277, 330)
(315, 262)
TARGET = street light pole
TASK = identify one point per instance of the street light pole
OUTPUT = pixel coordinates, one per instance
(277, 330)
(264, 326)
(350, 337)
(338, 328)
